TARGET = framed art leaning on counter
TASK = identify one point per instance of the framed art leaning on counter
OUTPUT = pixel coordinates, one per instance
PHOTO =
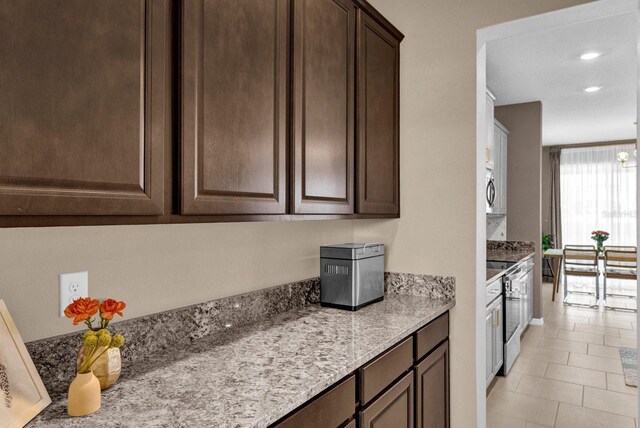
(22, 393)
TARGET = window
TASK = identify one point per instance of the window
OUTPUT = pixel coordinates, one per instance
(597, 193)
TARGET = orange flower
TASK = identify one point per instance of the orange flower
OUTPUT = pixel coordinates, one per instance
(82, 309)
(110, 307)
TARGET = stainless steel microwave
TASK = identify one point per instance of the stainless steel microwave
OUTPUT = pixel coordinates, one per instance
(490, 191)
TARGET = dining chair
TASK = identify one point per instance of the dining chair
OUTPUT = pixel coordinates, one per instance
(620, 262)
(581, 261)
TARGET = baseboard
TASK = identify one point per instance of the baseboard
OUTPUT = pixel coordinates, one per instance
(537, 321)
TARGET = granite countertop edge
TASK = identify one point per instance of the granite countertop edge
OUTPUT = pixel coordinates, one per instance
(516, 257)
(494, 274)
(357, 363)
(116, 400)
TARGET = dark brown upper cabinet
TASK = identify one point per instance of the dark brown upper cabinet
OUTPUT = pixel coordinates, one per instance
(83, 117)
(234, 106)
(323, 106)
(378, 178)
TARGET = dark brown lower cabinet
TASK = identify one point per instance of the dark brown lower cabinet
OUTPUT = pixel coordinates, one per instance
(393, 409)
(432, 389)
(332, 409)
(405, 386)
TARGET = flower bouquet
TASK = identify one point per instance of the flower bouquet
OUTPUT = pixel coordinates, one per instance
(600, 236)
(98, 364)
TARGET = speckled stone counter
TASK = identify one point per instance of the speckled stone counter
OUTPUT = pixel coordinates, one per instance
(509, 251)
(252, 375)
(493, 274)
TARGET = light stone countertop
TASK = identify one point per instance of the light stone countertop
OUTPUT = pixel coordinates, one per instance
(493, 274)
(252, 376)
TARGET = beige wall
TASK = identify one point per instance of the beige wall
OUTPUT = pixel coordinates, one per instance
(154, 267)
(524, 192)
(158, 267)
(436, 233)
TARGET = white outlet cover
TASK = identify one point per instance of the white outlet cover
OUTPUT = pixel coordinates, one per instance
(72, 286)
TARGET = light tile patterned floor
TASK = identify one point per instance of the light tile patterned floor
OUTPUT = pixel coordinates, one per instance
(568, 374)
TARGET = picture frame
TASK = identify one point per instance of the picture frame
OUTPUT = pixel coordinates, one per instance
(22, 393)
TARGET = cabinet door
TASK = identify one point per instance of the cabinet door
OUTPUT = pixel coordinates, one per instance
(524, 302)
(503, 171)
(378, 60)
(234, 106)
(530, 295)
(432, 389)
(84, 112)
(500, 169)
(497, 170)
(490, 344)
(498, 337)
(490, 127)
(393, 409)
(323, 99)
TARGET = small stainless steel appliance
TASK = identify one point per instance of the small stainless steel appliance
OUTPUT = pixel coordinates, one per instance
(490, 191)
(351, 275)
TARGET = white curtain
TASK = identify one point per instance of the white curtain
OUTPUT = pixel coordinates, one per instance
(597, 193)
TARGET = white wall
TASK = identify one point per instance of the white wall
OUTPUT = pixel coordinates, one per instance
(496, 227)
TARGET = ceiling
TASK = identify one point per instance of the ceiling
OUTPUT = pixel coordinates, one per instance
(546, 66)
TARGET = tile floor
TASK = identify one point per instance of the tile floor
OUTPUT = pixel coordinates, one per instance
(568, 374)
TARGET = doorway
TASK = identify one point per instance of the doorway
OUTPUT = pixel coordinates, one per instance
(586, 17)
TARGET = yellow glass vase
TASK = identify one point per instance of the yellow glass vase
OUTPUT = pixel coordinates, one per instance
(106, 368)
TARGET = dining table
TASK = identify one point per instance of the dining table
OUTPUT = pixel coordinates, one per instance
(557, 256)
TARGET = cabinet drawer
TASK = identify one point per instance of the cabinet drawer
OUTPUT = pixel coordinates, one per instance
(394, 408)
(429, 336)
(329, 410)
(381, 372)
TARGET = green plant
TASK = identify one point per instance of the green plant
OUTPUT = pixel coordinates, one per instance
(546, 242)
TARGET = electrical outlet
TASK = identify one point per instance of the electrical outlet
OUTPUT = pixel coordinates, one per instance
(72, 286)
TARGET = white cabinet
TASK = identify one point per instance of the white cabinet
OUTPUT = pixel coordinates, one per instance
(494, 335)
(526, 288)
(489, 322)
(500, 137)
(489, 127)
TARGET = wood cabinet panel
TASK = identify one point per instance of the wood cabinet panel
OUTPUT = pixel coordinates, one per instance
(378, 64)
(490, 339)
(432, 389)
(393, 409)
(331, 409)
(381, 372)
(83, 118)
(431, 335)
(323, 106)
(234, 106)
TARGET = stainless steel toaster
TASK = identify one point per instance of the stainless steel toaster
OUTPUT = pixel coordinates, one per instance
(351, 275)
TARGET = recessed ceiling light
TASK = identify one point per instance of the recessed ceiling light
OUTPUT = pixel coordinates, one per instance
(593, 89)
(587, 56)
